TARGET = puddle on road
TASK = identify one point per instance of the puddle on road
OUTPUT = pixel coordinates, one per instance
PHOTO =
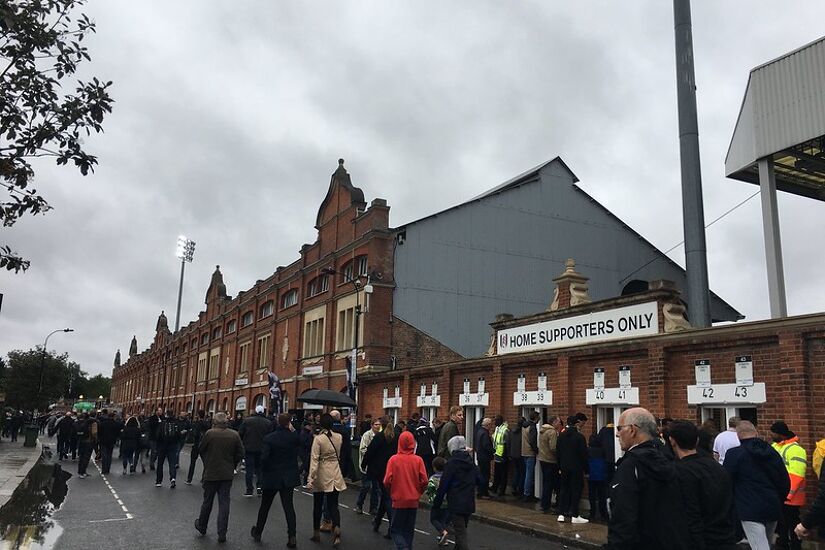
(26, 520)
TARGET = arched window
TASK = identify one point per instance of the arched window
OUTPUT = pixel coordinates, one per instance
(240, 403)
(289, 299)
(259, 400)
(210, 406)
(225, 407)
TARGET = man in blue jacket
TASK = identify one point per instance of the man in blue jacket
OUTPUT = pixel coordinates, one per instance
(760, 485)
(458, 484)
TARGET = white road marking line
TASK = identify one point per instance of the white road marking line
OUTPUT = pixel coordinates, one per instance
(120, 502)
(108, 520)
(117, 498)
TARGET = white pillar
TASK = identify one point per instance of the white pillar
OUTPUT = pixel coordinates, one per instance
(773, 241)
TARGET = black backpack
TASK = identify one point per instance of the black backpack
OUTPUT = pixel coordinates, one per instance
(169, 431)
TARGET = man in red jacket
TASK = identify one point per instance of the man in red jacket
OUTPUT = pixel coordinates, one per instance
(405, 481)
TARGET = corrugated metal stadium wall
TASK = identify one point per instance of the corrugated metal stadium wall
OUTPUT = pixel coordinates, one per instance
(457, 270)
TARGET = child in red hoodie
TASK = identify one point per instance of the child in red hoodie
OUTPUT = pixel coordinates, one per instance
(405, 481)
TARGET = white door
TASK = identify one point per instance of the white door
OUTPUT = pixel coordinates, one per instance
(525, 412)
(472, 415)
(721, 415)
(610, 415)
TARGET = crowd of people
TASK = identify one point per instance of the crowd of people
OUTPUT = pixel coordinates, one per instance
(677, 485)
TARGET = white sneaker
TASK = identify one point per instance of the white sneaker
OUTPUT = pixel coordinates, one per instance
(561, 519)
(579, 519)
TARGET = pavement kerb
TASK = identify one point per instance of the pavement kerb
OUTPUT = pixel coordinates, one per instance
(11, 485)
(513, 526)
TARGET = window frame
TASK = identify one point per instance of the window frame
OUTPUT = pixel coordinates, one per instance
(231, 326)
(292, 292)
(248, 315)
(266, 309)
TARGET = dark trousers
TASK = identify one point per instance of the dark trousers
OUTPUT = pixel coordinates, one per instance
(73, 447)
(168, 453)
(62, 447)
(428, 464)
(439, 519)
(597, 494)
(368, 485)
(459, 524)
(129, 456)
(253, 469)
(484, 482)
(85, 450)
(331, 508)
(549, 482)
(518, 476)
(267, 497)
(500, 477)
(384, 505)
(210, 489)
(106, 451)
(193, 459)
(153, 453)
(402, 527)
(785, 526)
(572, 483)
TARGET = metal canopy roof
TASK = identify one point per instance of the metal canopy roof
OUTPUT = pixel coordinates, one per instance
(783, 117)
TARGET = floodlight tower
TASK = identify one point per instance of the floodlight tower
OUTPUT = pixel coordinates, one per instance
(185, 252)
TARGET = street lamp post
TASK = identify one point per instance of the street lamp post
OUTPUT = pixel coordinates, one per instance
(353, 376)
(43, 359)
(185, 252)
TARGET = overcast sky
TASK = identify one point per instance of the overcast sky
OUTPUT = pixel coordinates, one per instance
(230, 117)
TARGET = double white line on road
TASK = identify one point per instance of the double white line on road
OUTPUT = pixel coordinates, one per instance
(117, 498)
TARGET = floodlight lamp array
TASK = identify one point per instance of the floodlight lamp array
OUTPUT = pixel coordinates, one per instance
(186, 249)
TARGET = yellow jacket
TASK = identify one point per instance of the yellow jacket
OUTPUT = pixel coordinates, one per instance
(796, 462)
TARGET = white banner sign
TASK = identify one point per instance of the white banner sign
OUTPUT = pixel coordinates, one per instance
(726, 394)
(241, 381)
(613, 396)
(598, 378)
(702, 368)
(744, 370)
(540, 398)
(474, 399)
(313, 370)
(392, 403)
(428, 401)
(599, 326)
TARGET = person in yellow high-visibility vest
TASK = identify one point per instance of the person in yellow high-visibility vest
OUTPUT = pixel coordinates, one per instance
(786, 443)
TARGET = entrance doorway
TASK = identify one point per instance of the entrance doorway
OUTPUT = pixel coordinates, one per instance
(392, 414)
(543, 417)
(610, 415)
(721, 415)
(429, 413)
(472, 416)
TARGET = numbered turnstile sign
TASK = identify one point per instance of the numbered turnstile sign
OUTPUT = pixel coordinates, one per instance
(542, 397)
(727, 394)
(612, 396)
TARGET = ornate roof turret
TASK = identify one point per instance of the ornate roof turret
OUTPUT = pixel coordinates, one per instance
(163, 323)
(217, 289)
(340, 178)
(117, 359)
(133, 347)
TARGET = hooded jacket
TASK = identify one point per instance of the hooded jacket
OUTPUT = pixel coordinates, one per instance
(707, 496)
(548, 440)
(646, 511)
(795, 459)
(458, 484)
(406, 477)
(815, 517)
(571, 451)
(760, 482)
(377, 455)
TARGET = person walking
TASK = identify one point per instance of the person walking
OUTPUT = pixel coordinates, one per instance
(645, 500)
(153, 425)
(573, 464)
(279, 476)
(199, 427)
(130, 444)
(326, 480)
(515, 457)
(458, 485)
(706, 490)
(795, 458)
(305, 437)
(108, 432)
(167, 441)
(815, 516)
(501, 456)
(425, 443)
(549, 462)
(376, 457)
(449, 430)
(597, 479)
(221, 450)
(405, 480)
(368, 484)
(485, 452)
(529, 451)
(65, 430)
(252, 430)
(726, 440)
(760, 485)
(86, 431)
(438, 517)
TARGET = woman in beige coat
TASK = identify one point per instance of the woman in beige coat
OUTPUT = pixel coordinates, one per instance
(325, 479)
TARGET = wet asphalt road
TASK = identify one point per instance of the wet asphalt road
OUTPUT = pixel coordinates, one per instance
(119, 511)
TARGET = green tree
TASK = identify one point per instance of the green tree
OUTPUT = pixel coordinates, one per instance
(98, 385)
(22, 378)
(40, 48)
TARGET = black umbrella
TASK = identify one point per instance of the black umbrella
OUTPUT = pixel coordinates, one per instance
(327, 397)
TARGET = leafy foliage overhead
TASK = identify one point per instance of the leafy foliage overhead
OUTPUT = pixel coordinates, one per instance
(41, 46)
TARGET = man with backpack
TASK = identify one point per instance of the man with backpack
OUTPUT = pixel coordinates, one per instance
(199, 427)
(86, 431)
(167, 442)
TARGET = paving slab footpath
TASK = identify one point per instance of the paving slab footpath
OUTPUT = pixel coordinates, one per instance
(16, 461)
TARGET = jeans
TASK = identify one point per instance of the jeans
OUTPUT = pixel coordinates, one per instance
(571, 492)
(106, 451)
(368, 485)
(439, 519)
(597, 493)
(402, 527)
(253, 469)
(459, 524)
(193, 459)
(85, 450)
(331, 508)
(384, 505)
(128, 456)
(62, 446)
(518, 476)
(500, 477)
(787, 522)
(153, 453)
(210, 489)
(529, 475)
(169, 453)
(267, 497)
(759, 534)
(549, 483)
(484, 482)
